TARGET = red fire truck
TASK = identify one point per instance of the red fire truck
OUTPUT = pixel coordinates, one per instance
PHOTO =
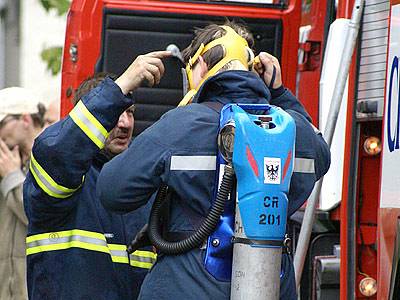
(354, 247)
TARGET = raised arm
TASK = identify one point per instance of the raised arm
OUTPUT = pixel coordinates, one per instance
(312, 152)
(63, 153)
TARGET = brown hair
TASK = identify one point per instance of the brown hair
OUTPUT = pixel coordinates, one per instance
(209, 33)
(90, 83)
(37, 118)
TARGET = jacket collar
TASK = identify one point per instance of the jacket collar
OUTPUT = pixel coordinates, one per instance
(233, 87)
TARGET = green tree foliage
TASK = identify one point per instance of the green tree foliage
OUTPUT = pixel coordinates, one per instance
(52, 55)
(61, 6)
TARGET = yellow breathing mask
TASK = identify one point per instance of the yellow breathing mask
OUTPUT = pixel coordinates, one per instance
(235, 48)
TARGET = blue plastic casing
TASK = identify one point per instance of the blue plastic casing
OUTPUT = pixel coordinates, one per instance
(263, 162)
(256, 153)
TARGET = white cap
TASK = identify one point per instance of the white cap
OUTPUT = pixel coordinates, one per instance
(17, 101)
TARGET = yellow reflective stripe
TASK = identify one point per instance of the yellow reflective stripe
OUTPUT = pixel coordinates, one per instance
(62, 246)
(92, 119)
(86, 130)
(89, 240)
(118, 253)
(143, 259)
(139, 258)
(145, 254)
(84, 119)
(120, 259)
(66, 239)
(65, 233)
(49, 179)
(139, 264)
(117, 247)
(46, 183)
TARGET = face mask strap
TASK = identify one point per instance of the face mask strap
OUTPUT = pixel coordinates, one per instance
(191, 63)
(235, 48)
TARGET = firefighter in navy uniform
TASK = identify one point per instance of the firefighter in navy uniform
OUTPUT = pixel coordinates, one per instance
(180, 151)
(75, 248)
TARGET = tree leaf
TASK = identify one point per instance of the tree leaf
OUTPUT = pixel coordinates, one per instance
(45, 4)
(61, 6)
(52, 57)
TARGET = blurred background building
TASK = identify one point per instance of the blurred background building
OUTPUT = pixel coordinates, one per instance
(26, 28)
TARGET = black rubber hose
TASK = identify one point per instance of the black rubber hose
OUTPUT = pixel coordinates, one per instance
(206, 228)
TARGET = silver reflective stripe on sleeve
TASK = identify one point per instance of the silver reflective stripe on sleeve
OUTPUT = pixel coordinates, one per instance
(66, 239)
(303, 165)
(48, 184)
(75, 238)
(84, 119)
(118, 253)
(193, 163)
(142, 259)
(89, 240)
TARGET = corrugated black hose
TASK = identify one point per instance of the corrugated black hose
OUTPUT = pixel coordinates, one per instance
(206, 228)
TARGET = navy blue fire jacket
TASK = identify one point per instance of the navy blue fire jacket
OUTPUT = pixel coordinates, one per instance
(180, 151)
(75, 248)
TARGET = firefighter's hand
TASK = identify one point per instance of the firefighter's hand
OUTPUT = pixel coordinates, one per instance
(145, 70)
(10, 160)
(267, 66)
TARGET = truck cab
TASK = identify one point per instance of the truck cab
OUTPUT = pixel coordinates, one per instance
(353, 243)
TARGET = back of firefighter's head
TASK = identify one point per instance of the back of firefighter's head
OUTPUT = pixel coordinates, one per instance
(209, 53)
(120, 137)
